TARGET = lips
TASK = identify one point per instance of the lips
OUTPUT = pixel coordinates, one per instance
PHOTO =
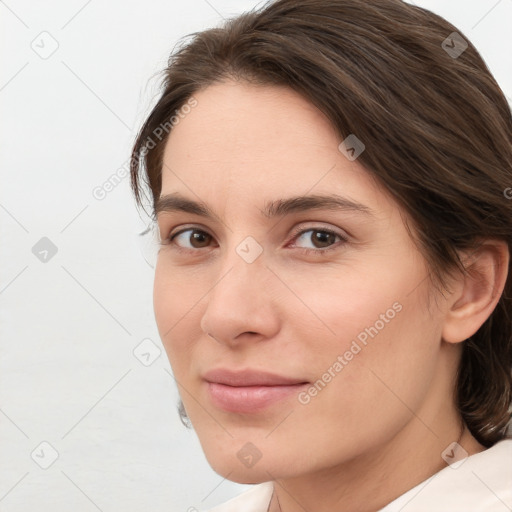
(249, 378)
(249, 391)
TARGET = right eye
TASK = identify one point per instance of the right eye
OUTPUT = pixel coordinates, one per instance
(193, 237)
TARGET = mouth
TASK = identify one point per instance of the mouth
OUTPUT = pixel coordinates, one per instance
(249, 391)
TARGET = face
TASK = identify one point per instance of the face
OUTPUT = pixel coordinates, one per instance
(330, 301)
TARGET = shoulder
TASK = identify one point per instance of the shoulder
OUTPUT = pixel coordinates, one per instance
(480, 483)
(255, 499)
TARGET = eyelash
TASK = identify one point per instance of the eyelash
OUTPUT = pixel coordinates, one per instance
(169, 241)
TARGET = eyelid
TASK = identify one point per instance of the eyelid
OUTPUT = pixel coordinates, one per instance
(315, 226)
(186, 227)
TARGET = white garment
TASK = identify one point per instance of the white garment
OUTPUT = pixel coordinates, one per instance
(481, 483)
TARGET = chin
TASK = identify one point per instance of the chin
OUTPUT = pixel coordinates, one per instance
(234, 470)
(248, 479)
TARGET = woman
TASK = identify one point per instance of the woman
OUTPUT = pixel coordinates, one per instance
(333, 290)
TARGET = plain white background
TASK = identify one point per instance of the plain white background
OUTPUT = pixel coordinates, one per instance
(75, 305)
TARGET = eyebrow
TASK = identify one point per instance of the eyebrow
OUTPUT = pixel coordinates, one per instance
(175, 202)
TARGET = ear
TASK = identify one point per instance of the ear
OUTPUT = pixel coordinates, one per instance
(477, 293)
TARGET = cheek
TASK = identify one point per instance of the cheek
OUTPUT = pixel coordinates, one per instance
(164, 301)
(366, 344)
(174, 297)
(345, 304)
(176, 291)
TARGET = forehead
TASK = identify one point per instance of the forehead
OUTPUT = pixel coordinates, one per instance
(237, 121)
(260, 142)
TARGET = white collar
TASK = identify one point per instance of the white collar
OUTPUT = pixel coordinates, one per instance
(483, 482)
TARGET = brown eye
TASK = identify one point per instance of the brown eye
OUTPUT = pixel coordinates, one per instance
(321, 239)
(196, 238)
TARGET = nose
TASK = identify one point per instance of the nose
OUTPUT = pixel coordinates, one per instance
(241, 307)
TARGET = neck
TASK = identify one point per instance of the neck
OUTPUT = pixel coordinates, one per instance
(377, 477)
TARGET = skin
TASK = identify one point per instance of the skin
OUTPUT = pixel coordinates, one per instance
(379, 427)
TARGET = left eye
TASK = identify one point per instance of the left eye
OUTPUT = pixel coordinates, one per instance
(320, 238)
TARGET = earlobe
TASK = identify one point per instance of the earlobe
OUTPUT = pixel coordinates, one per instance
(478, 292)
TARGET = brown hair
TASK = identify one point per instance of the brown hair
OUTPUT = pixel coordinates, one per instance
(437, 130)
